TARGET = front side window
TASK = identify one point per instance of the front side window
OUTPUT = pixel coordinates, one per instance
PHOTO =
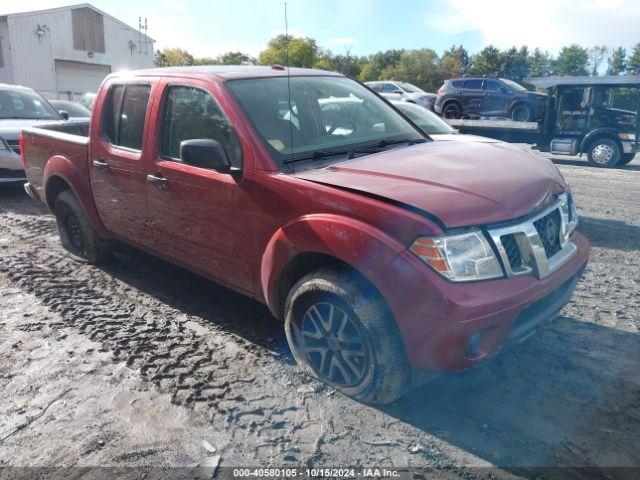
(125, 114)
(192, 113)
(333, 114)
(492, 86)
(389, 88)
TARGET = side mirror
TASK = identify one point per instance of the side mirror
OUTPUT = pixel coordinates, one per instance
(504, 90)
(205, 153)
(398, 91)
(64, 114)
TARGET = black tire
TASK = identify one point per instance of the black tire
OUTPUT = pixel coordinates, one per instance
(76, 233)
(521, 112)
(376, 370)
(626, 158)
(451, 109)
(604, 153)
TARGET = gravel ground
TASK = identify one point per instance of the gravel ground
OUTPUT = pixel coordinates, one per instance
(141, 364)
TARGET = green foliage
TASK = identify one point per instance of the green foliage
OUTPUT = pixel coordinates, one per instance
(633, 66)
(617, 62)
(423, 67)
(572, 60)
(302, 52)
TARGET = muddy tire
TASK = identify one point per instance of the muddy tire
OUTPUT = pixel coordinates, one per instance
(76, 233)
(604, 153)
(341, 331)
(626, 158)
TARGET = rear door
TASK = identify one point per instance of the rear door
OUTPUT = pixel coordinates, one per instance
(116, 160)
(201, 218)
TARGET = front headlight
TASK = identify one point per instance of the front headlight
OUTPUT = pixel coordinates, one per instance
(460, 257)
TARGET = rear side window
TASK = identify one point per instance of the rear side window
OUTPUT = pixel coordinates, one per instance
(474, 84)
(125, 115)
(192, 113)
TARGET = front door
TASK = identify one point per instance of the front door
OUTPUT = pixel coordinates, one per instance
(200, 217)
(117, 161)
(496, 99)
(472, 96)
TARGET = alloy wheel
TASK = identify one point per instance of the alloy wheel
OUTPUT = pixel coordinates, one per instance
(335, 345)
(602, 153)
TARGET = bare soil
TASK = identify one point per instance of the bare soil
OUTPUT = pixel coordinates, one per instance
(137, 362)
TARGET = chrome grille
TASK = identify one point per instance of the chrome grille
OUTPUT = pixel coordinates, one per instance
(512, 250)
(538, 244)
(548, 228)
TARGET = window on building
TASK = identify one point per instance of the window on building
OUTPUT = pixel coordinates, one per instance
(192, 113)
(125, 115)
(88, 30)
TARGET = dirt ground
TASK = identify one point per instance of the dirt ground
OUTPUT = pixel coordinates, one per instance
(141, 364)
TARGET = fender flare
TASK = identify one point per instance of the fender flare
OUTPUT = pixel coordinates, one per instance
(357, 244)
(607, 132)
(78, 180)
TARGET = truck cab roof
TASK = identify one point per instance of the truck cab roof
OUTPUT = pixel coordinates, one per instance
(226, 72)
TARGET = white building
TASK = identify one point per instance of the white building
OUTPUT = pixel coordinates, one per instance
(66, 52)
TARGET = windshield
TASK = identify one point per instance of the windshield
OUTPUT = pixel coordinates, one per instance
(410, 88)
(516, 87)
(331, 114)
(425, 119)
(72, 108)
(25, 104)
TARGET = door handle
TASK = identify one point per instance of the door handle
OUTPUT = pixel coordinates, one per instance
(158, 180)
(100, 164)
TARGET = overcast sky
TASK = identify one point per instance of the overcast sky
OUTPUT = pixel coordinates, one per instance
(207, 28)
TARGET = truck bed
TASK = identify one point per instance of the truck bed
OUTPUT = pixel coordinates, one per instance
(66, 144)
(501, 129)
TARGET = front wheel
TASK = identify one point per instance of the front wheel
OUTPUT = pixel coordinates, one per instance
(340, 330)
(452, 110)
(604, 153)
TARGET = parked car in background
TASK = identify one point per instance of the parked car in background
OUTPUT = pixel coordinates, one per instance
(88, 99)
(387, 255)
(20, 107)
(393, 90)
(76, 111)
(489, 97)
(435, 127)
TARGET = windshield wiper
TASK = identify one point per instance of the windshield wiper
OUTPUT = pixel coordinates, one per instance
(316, 155)
(383, 144)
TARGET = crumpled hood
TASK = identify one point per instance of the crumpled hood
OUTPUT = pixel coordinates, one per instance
(461, 183)
(10, 129)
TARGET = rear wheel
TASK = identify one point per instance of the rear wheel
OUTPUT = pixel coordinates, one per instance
(522, 113)
(452, 110)
(76, 233)
(626, 158)
(340, 330)
(604, 153)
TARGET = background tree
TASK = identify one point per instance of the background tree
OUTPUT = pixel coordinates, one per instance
(633, 66)
(487, 62)
(597, 55)
(234, 58)
(455, 62)
(540, 63)
(372, 66)
(419, 67)
(303, 52)
(173, 57)
(516, 64)
(617, 62)
(572, 60)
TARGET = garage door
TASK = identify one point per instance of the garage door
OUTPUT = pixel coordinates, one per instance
(74, 79)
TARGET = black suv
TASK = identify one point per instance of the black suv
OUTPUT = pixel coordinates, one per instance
(489, 97)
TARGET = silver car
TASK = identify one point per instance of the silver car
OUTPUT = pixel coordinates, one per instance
(393, 90)
(20, 107)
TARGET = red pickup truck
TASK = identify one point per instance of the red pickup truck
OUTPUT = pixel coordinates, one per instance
(386, 255)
